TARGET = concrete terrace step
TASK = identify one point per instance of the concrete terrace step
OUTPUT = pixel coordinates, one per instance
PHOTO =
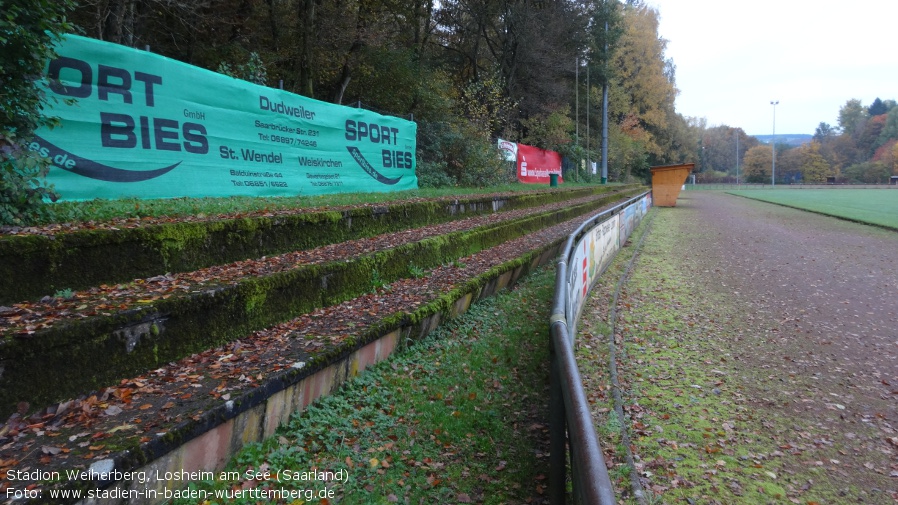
(36, 262)
(52, 352)
(194, 413)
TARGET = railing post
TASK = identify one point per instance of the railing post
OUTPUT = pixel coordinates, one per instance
(557, 433)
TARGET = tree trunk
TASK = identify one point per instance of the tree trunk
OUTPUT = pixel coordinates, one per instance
(357, 44)
(272, 20)
(307, 20)
(112, 27)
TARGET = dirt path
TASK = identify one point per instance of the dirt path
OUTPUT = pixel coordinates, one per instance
(758, 349)
(829, 286)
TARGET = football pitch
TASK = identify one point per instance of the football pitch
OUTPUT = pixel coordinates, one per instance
(873, 206)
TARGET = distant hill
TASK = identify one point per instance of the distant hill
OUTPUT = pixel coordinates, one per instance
(792, 139)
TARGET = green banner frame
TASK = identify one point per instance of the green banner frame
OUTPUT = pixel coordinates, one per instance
(134, 124)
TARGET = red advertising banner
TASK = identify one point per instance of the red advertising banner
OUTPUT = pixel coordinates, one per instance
(535, 164)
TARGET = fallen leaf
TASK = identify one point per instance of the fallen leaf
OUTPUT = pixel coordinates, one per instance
(112, 410)
(122, 427)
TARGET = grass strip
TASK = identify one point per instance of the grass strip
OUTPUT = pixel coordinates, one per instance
(104, 210)
(878, 207)
(458, 418)
(636, 485)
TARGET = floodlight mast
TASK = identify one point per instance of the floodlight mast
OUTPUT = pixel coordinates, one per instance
(774, 103)
(737, 157)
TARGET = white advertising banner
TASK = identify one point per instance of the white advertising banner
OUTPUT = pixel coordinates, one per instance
(595, 250)
(508, 150)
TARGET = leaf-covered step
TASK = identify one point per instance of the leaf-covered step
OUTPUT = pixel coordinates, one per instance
(254, 383)
(83, 353)
(33, 265)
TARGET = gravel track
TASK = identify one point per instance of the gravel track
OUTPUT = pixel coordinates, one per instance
(830, 286)
(811, 348)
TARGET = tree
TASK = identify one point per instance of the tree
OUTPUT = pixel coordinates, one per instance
(684, 133)
(877, 107)
(537, 55)
(839, 152)
(181, 29)
(420, 57)
(851, 116)
(645, 76)
(823, 132)
(892, 158)
(888, 154)
(533, 43)
(814, 168)
(28, 28)
(604, 31)
(553, 132)
(486, 106)
(890, 129)
(626, 154)
(253, 70)
(307, 15)
(868, 138)
(788, 164)
(758, 163)
(872, 172)
(719, 143)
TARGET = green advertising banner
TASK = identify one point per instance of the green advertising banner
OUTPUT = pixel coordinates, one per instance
(138, 125)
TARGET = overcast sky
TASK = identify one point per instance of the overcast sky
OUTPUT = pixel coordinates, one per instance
(734, 58)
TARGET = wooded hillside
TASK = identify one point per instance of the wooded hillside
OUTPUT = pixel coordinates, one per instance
(467, 71)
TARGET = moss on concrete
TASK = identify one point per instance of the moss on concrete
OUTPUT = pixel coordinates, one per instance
(32, 266)
(69, 359)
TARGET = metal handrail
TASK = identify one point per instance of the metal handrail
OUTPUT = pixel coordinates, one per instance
(567, 403)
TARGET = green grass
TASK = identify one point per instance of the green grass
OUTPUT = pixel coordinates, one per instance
(457, 418)
(676, 426)
(105, 210)
(872, 206)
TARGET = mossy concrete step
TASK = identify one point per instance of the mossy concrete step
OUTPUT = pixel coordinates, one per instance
(82, 355)
(206, 441)
(36, 265)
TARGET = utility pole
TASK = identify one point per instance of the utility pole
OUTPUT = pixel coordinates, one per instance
(576, 101)
(605, 111)
(576, 112)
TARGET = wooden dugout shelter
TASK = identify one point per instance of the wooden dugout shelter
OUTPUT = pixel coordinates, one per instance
(667, 180)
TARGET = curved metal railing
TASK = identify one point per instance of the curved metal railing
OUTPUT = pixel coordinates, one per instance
(588, 251)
